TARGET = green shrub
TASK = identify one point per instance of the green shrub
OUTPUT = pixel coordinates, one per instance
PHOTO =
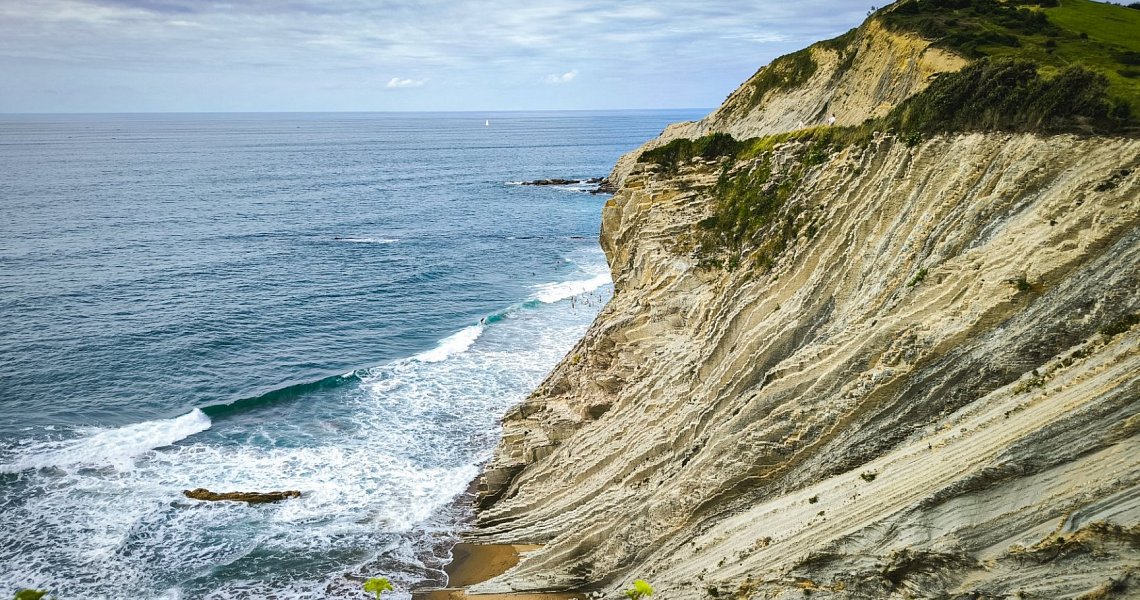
(1010, 95)
(378, 585)
(641, 589)
(1021, 282)
(918, 278)
(680, 151)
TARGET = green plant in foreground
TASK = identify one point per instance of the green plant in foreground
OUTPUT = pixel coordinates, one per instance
(378, 585)
(640, 589)
(918, 277)
(30, 594)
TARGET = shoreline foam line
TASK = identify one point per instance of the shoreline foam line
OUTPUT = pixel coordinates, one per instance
(452, 345)
(117, 447)
(456, 343)
(549, 293)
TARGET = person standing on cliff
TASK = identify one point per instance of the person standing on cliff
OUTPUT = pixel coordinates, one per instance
(831, 120)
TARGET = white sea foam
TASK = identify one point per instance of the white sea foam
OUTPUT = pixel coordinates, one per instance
(451, 345)
(116, 448)
(549, 293)
(372, 467)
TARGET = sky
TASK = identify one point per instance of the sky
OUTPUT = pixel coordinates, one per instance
(395, 55)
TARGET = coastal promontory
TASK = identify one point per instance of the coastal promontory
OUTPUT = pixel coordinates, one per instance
(874, 331)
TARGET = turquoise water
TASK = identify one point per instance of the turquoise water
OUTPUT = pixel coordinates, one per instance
(343, 304)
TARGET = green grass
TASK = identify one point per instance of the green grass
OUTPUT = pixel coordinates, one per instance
(1107, 23)
(791, 71)
(786, 72)
(1103, 38)
(753, 222)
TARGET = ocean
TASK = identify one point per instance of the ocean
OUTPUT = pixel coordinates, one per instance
(341, 304)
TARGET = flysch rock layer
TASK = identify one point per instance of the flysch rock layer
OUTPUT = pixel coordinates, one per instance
(863, 78)
(932, 396)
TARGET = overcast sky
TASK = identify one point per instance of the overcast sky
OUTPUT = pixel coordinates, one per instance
(378, 55)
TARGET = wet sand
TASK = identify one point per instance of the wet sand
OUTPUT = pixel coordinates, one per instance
(475, 563)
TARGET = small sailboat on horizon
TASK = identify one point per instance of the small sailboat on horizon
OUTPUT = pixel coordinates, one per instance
(487, 123)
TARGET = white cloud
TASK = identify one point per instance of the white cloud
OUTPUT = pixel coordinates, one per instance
(325, 54)
(396, 82)
(761, 37)
(566, 77)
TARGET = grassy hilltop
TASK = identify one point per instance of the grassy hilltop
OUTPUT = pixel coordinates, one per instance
(1053, 35)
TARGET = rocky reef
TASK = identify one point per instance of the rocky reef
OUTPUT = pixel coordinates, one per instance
(247, 497)
(911, 369)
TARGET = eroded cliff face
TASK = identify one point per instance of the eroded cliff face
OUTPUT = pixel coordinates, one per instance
(933, 391)
(861, 75)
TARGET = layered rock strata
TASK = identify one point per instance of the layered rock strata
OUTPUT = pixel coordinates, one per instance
(934, 390)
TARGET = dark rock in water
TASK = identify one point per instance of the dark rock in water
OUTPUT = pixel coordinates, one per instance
(552, 182)
(603, 183)
(250, 497)
(604, 186)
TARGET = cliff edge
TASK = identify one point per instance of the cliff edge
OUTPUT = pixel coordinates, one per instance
(889, 359)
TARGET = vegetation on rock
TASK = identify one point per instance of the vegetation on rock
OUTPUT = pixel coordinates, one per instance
(786, 72)
(1054, 35)
(1033, 72)
(641, 589)
(680, 151)
(1011, 95)
(378, 585)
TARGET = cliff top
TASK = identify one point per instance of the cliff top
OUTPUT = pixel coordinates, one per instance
(919, 67)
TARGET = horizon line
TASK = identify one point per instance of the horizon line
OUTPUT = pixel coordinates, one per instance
(346, 112)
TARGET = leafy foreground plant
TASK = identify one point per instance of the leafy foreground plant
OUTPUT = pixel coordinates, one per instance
(640, 590)
(378, 585)
(30, 594)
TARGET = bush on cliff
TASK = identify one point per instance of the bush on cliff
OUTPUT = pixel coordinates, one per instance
(641, 589)
(1010, 95)
(378, 585)
(678, 152)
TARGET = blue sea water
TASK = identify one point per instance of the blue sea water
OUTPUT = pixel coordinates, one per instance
(343, 304)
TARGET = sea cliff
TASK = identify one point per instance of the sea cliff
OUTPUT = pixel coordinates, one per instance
(911, 370)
